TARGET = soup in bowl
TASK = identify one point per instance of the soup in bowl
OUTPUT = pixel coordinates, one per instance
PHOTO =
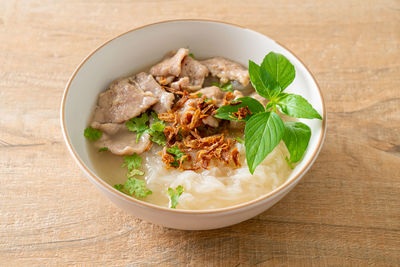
(203, 131)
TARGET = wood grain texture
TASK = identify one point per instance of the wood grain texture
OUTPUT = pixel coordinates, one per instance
(346, 210)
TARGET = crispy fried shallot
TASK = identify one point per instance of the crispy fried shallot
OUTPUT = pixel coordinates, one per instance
(198, 144)
(242, 113)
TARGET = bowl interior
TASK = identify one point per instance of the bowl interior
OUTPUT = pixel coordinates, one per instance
(138, 49)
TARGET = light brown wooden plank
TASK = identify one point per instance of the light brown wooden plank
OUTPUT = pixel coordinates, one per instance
(346, 210)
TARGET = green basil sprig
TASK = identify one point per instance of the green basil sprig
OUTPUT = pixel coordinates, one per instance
(264, 128)
(226, 112)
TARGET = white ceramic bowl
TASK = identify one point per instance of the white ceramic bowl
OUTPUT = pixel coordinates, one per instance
(141, 47)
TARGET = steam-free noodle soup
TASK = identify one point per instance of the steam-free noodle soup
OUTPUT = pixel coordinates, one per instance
(217, 187)
(163, 126)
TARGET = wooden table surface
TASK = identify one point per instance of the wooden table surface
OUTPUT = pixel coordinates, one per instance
(345, 211)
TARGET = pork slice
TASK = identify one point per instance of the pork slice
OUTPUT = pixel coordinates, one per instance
(227, 70)
(165, 80)
(237, 94)
(170, 66)
(211, 121)
(237, 124)
(188, 106)
(119, 140)
(195, 71)
(121, 102)
(108, 128)
(147, 83)
(188, 111)
(215, 93)
(181, 84)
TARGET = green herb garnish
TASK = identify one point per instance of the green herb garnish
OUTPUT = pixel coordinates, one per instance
(206, 100)
(132, 162)
(92, 134)
(156, 130)
(239, 140)
(228, 87)
(297, 107)
(138, 125)
(174, 195)
(227, 112)
(137, 187)
(119, 187)
(103, 149)
(191, 55)
(289, 163)
(180, 133)
(134, 172)
(264, 128)
(157, 137)
(178, 154)
(296, 137)
(262, 134)
(133, 186)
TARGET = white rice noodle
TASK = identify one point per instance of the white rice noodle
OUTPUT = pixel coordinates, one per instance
(220, 186)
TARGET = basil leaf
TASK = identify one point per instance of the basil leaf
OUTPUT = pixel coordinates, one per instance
(289, 163)
(264, 83)
(226, 112)
(297, 136)
(296, 106)
(269, 105)
(256, 81)
(262, 134)
(280, 69)
(269, 82)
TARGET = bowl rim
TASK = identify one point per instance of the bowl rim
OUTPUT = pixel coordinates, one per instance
(119, 194)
